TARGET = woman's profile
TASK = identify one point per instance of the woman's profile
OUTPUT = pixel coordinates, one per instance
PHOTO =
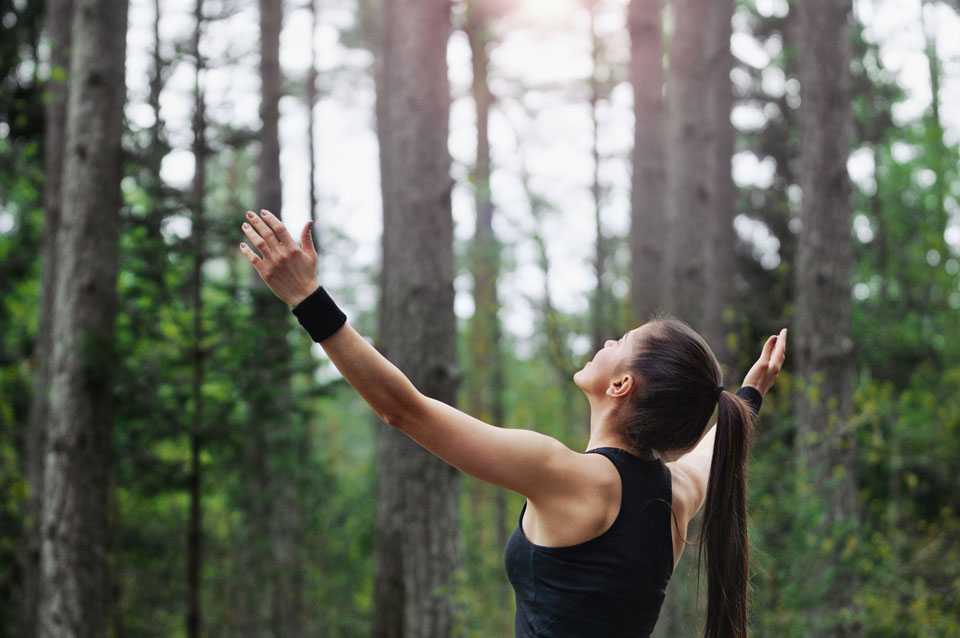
(601, 531)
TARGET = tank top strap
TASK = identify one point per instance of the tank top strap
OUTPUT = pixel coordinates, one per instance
(643, 480)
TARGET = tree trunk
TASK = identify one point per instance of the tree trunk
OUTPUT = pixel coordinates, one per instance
(278, 515)
(195, 527)
(824, 346)
(486, 359)
(417, 544)
(74, 588)
(155, 249)
(934, 134)
(311, 98)
(648, 228)
(601, 330)
(59, 17)
(688, 231)
(688, 236)
(721, 309)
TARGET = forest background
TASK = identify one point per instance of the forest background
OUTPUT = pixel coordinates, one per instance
(178, 459)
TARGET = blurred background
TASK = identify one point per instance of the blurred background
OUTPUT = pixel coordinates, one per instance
(497, 186)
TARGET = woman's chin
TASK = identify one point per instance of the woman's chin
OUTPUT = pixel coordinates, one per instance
(580, 371)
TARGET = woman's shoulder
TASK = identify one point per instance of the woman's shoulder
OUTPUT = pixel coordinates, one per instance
(581, 514)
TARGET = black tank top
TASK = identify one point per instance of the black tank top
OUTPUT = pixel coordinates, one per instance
(612, 585)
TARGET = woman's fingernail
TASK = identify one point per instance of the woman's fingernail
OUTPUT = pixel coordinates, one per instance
(264, 212)
(246, 225)
(250, 214)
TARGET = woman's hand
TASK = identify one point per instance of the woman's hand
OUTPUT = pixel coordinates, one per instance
(767, 368)
(288, 270)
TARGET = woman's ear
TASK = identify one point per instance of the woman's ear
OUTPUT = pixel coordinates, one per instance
(620, 386)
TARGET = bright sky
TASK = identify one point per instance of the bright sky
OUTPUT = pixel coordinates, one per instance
(548, 41)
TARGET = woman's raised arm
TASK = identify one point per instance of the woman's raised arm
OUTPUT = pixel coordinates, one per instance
(291, 273)
(533, 464)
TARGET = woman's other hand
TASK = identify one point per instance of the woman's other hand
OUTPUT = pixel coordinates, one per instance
(767, 368)
(288, 270)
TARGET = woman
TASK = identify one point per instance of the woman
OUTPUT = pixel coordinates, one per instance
(594, 548)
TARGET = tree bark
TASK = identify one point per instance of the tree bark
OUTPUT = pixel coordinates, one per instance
(934, 133)
(601, 302)
(278, 439)
(59, 19)
(417, 544)
(721, 303)
(648, 228)
(688, 198)
(486, 359)
(311, 98)
(824, 345)
(689, 230)
(155, 250)
(74, 588)
(195, 526)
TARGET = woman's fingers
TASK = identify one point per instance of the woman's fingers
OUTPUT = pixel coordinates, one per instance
(777, 355)
(259, 228)
(306, 239)
(277, 226)
(768, 348)
(765, 371)
(251, 256)
(780, 353)
(257, 239)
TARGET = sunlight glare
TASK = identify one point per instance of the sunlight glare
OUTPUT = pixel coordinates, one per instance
(546, 13)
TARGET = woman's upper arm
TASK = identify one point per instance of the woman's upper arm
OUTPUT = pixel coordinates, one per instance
(533, 464)
(689, 490)
(691, 473)
(692, 470)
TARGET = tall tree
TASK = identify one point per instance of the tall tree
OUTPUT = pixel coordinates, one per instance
(823, 401)
(934, 134)
(311, 99)
(74, 582)
(161, 207)
(720, 209)
(602, 303)
(277, 440)
(688, 238)
(486, 397)
(648, 227)
(417, 544)
(698, 262)
(195, 525)
(59, 18)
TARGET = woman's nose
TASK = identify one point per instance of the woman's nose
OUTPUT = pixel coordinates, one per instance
(608, 342)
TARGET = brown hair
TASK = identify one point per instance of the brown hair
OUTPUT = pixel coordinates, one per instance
(677, 376)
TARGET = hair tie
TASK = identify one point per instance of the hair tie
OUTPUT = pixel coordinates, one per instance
(716, 393)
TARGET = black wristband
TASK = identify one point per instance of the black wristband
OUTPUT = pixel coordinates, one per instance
(752, 396)
(319, 315)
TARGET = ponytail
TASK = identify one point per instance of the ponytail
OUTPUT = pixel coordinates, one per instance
(724, 528)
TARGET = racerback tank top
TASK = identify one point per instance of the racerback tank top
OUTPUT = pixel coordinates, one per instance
(610, 586)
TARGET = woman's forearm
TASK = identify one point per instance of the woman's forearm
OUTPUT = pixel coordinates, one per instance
(381, 384)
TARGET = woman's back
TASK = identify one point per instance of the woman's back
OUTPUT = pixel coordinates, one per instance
(611, 585)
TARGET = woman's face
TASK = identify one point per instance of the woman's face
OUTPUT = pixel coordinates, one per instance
(608, 364)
